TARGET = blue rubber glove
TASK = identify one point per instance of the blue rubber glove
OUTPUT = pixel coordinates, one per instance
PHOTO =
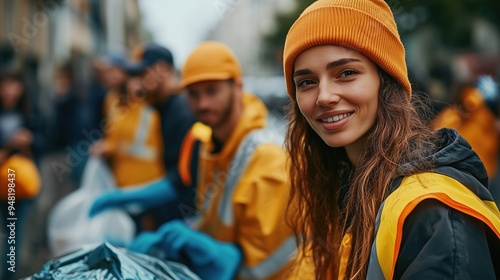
(146, 242)
(207, 257)
(145, 197)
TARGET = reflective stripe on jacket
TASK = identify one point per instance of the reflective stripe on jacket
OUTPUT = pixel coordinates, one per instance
(413, 190)
(242, 195)
(134, 143)
(198, 133)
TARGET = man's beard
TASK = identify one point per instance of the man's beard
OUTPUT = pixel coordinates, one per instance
(225, 114)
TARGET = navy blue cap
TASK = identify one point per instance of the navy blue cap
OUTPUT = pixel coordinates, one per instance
(152, 54)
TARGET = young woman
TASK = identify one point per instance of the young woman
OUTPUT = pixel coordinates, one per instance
(376, 194)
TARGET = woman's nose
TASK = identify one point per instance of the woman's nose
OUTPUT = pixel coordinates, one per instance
(328, 94)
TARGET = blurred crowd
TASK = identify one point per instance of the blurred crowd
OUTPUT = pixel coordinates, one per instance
(132, 110)
(109, 112)
(129, 101)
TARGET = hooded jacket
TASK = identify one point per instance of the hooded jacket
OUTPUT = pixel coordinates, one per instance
(441, 224)
(241, 193)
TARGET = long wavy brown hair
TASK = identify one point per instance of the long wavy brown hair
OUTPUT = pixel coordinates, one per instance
(400, 135)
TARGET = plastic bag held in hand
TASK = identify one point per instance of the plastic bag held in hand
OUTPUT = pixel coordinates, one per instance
(141, 197)
(207, 257)
(69, 226)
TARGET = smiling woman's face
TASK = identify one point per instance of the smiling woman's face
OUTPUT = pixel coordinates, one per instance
(337, 92)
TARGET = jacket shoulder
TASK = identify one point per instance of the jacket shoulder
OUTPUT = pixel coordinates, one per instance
(413, 191)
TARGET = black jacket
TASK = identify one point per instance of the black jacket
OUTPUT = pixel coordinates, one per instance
(440, 242)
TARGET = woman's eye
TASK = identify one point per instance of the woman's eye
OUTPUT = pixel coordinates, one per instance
(304, 83)
(348, 73)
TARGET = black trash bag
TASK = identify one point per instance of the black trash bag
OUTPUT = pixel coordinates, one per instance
(107, 262)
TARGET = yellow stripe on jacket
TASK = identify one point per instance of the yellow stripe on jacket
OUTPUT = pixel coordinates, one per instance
(249, 212)
(134, 143)
(413, 190)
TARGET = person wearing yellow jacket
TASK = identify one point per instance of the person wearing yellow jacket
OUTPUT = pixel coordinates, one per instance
(133, 145)
(475, 119)
(133, 140)
(375, 192)
(155, 65)
(240, 179)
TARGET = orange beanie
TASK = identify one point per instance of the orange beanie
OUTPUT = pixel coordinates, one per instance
(210, 61)
(366, 26)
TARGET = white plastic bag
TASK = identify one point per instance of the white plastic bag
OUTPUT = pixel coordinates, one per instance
(69, 226)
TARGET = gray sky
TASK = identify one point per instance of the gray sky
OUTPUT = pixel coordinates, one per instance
(181, 24)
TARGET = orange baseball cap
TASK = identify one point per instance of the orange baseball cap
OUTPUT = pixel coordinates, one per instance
(210, 61)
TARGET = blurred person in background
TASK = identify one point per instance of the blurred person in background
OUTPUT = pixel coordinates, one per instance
(241, 189)
(155, 65)
(113, 69)
(133, 143)
(474, 115)
(76, 122)
(78, 113)
(20, 134)
(160, 81)
(19, 178)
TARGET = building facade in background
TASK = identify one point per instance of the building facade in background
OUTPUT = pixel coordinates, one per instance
(37, 35)
(243, 25)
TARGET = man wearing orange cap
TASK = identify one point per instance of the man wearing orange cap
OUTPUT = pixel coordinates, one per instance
(241, 191)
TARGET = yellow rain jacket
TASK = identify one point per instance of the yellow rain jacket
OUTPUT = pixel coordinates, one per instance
(133, 141)
(242, 194)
